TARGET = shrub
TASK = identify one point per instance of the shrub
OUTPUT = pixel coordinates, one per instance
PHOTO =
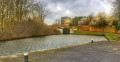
(101, 23)
(116, 24)
(26, 29)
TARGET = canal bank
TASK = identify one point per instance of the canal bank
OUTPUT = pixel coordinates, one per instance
(92, 52)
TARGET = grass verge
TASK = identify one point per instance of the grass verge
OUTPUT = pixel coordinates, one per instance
(110, 36)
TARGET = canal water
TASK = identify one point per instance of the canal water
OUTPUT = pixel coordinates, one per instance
(45, 42)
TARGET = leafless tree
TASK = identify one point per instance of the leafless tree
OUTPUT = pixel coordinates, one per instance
(42, 10)
(19, 10)
(116, 8)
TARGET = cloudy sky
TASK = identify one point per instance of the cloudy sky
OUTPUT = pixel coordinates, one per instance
(74, 8)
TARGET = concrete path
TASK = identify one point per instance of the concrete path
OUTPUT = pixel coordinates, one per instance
(96, 52)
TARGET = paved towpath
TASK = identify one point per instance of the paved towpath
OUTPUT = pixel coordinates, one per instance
(96, 52)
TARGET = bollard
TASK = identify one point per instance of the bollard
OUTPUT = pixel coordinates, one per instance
(92, 41)
(26, 57)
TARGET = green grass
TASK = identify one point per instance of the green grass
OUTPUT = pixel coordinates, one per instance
(110, 36)
(88, 32)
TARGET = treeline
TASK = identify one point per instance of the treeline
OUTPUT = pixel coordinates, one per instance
(75, 20)
(23, 18)
(102, 19)
(99, 20)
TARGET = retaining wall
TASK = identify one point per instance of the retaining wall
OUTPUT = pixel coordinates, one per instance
(110, 29)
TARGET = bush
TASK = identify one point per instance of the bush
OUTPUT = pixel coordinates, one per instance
(116, 24)
(26, 29)
(101, 23)
(84, 21)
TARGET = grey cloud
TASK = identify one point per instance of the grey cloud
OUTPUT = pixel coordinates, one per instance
(76, 7)
(59, 1)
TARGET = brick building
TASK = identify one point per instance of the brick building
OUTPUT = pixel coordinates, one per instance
(65, 21)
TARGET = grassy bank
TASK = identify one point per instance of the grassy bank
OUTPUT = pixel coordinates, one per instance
(110, 36)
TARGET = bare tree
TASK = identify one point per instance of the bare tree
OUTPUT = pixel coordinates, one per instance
(42, 10)
(19, 10)
(116, 8)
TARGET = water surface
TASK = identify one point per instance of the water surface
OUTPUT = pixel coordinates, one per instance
(45, 42)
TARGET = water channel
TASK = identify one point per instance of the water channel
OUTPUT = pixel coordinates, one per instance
(45, 42)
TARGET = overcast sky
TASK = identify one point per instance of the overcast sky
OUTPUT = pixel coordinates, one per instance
(74, 8)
